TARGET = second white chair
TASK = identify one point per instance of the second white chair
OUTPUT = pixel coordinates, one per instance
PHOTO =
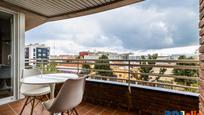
(68, 98)
(33, 92)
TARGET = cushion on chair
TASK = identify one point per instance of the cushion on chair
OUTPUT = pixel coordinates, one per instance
(37, 92)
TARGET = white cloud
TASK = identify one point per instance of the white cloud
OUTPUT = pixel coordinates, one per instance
(59, 47)
(148, 25)
(69, 47)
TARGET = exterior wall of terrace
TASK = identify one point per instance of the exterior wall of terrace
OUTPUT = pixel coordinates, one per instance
(201, 50)
(144, 100)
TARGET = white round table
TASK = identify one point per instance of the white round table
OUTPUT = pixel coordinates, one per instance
(48, 79)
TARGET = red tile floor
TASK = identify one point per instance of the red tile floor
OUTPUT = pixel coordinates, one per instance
(83, 109)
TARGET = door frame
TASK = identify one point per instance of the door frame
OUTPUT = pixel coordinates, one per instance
(17, 52)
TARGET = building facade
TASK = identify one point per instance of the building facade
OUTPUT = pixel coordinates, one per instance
(63, 57)
(111, 55)
(37, 51)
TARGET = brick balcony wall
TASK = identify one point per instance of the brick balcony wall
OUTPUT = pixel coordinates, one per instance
(141, 100)
(201, 50)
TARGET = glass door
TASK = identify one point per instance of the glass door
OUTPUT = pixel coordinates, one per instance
(6, 54)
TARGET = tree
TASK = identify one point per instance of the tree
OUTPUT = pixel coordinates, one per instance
(145, 70)
(161, 72)
(147, 67)
(51, 67)
(103, 64)
(85, 69)
(185, 72)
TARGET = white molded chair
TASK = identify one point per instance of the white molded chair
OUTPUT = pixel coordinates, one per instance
(33, 92)
(69, 96)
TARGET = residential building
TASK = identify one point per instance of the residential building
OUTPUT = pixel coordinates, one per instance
(84, 53)
(63, 57)
(69, 68)
(37, 51)
(111, 55)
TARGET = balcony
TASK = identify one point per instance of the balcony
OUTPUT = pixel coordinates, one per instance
(83, 109)
(128, 90)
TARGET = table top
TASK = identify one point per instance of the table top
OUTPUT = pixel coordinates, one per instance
(48, 78)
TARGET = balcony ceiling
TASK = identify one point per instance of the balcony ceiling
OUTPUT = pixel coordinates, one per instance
(52, 10)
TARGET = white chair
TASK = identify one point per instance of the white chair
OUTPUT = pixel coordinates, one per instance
(69, 96)
(33, 92)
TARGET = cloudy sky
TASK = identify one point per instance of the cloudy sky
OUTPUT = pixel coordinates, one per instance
(147, 26)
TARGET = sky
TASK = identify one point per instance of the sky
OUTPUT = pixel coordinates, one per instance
(150, 26)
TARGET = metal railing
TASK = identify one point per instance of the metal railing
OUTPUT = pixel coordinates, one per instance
(129, 71)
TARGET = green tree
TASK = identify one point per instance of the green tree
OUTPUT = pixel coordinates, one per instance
(51, 67)
(103, 64)
(185, 72)
(161, 72)
(85, 69)
(147, 69)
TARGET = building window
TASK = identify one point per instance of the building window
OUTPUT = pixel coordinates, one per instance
(39, 50)
(120, 75)
(44, 54)
(33, 50)
(39, 54)
(33, 54)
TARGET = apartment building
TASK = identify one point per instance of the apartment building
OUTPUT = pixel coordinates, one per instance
(34, 52)
(37, 51)
(111, 55)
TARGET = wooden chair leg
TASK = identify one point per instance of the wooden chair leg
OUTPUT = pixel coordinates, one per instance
(67, 112)
(24, 105)
(32, 108)
(47, 97)
(76, 111)
(62, 113)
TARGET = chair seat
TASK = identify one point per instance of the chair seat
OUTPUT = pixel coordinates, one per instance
(37, 92)
(47, 104)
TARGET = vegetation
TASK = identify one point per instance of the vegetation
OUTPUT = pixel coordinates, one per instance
(49, 68)
(146, 70)
(103, 65)
(185, 72)
(85, 69)
(134, 74)
(161, 72)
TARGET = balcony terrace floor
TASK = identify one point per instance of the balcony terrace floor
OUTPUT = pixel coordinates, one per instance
(84, 108)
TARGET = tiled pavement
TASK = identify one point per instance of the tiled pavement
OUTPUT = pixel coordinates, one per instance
(83, 109)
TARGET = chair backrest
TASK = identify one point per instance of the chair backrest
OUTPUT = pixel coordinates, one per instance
(69, 96)
(28, 73)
